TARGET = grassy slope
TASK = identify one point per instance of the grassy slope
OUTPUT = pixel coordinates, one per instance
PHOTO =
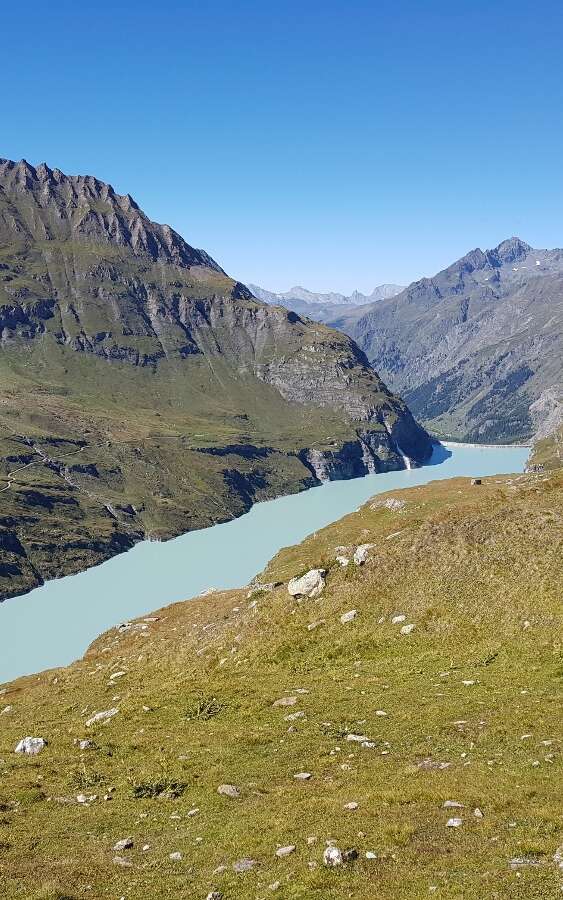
(142, 431)
(548, 452)
(469, 566)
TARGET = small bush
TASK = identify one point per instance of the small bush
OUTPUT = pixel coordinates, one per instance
(204, 708)
(162, 788)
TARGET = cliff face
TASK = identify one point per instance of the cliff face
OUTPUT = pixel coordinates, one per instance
(135, 370)
(472, 348)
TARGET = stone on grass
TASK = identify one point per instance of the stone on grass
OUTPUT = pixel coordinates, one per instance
(285, 851)
(357, 738)
(214, 895)
(478, 813)
(342, 561)
(407, 629)
(558, 857)
(86, 745)
(31, 746)
(332, 857)
(349, 616)
(397, 619)
(176, 856)
(285, 701)
(102, 716)
(229, 790)
(123, 844)
(303, 776)
(309, 585)
(454, 823)
(292, 717)
(244, 865)
(361, 554)
(351, 806)
(452, 804)
(371, 855)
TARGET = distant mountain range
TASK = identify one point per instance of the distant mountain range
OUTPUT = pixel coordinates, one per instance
(476, 350)
(322, 306)
(145, 393)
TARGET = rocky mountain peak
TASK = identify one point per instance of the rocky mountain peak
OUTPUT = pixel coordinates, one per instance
(512, 249)
(40, 203)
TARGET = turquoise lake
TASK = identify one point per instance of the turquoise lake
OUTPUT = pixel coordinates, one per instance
(54, 624)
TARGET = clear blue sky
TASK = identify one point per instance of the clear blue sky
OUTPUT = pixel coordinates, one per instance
(335, 145)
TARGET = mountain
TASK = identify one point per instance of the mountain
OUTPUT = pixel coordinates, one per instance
(475, 347)
(146, 393)
(319, 306)
(408, 716)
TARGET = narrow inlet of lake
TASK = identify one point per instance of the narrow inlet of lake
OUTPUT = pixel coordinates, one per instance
(54, 624)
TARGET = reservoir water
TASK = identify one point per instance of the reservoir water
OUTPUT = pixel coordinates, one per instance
(53, 624)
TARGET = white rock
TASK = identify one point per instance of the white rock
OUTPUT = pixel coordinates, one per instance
(85, 745)
(285, 701)
(229, 790)
(396, 620)
(102, 716)
(407, 629)
(454, 823)
(309, 585)
(285, 851)
(176, 856)
(357, 738)
(361, 553)
(349, 616)
(478, 813)
(332, 857)
(558, 857)
(351, 806)
(342, 561)
(244, 865)
(292, 717)
(31, 745)
(452, 804)
(123, 844)
(303, 776)
(380, 712)
(371, 855)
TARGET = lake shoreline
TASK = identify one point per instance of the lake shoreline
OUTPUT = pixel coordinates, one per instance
(54, 624)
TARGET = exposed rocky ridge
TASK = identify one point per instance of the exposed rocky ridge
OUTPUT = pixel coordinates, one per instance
(472, 348)
(121, 343)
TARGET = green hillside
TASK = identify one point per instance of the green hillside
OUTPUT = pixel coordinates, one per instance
(458, 719)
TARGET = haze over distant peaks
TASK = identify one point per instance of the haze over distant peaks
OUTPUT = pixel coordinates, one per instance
(319, 305)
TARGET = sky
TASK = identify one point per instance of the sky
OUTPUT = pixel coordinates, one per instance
(331, 145)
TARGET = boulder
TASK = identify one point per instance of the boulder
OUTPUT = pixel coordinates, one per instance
(285, 851)
(31, 745)
(349, 616)
(361, 553)
(123, 844)
(332, 857)
(102, 716)
(229, 790)
(309, 585)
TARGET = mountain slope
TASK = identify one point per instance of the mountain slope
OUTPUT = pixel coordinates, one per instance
(146, 393)
(398, 733)
(472, 348)
(323, 307)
